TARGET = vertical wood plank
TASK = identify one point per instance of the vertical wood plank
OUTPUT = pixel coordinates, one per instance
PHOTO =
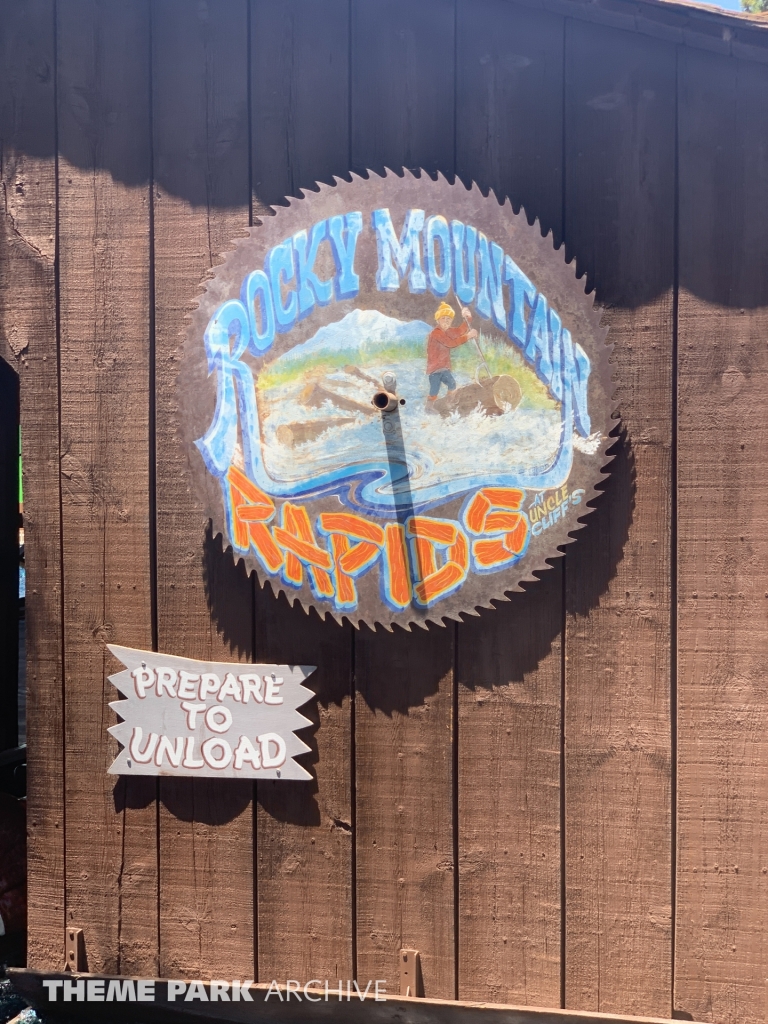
(403, 74)
(402, 88)
(305, 829)
(300, 76)
(509, 88)
(721, 951)
(205, 605)
(509, 117)
(404, 805)
(300, 119)
(619, 223)
(28, 325)
(104, 168)
(509, 665)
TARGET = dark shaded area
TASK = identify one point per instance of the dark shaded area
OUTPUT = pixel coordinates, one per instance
(509, 105)
(285, 633)
(208, 801)
(724, 180)
(300, 90)
(9, 555)
(414, 105)
(592, 561)
(396, 671)
(13, 772)
(402, 85)
(13, 876)
(507, 643)
(11, 1004)
(620, 99)
(134, 792)
(224, 580)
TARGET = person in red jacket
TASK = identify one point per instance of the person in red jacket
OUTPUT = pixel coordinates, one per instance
(439, 344)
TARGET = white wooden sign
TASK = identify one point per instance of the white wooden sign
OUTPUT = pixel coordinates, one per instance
(208, 719)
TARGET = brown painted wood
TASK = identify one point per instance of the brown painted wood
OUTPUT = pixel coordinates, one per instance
(402, 89)
(104, 166)
(305, 836)
(404, 804)
(282, 1008)
(300, 134)
(509, 114)
(205, 605)
(27, 315)
(619, 223)
(509, 667)
(403, 75)
(509, 88)
(721, 958)
(300, 97)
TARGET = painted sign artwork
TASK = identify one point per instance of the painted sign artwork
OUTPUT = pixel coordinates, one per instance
(208, 719)
(396, 399)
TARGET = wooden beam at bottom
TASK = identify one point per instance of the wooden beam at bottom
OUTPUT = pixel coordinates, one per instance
(270, 1006)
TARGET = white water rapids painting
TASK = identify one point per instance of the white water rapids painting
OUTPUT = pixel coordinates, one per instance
(316, 415)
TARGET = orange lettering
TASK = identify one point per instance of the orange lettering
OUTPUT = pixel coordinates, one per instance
(296, 537)
(357, 544)
(251, 509)
(427, 537)
(510, 527)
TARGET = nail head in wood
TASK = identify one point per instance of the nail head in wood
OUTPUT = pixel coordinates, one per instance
(410, 973)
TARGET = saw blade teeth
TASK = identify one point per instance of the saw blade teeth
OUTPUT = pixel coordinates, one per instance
(422, 185)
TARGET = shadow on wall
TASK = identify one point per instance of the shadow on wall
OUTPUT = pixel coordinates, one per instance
(623, 185)
(394, 677)
(498, 647)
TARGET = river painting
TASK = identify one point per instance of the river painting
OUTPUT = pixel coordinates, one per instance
(317, 420)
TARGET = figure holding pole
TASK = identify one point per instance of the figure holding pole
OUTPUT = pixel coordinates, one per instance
(439, 344)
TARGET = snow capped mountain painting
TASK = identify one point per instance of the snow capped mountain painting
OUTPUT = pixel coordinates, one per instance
(367, 326)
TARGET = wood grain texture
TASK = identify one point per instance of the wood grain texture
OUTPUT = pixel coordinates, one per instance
(404, 804)
(509, 115)
(393, 1009)
(510, 88)
(104, 166)
(205, 605)
(721, 951)
(509, 671)
(619, 223)
(402, 88)
(305, 833)
(300, 95)
(28, 326)
(300, 134)
(403, 75)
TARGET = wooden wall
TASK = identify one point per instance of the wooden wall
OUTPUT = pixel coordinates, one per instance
(562, 802)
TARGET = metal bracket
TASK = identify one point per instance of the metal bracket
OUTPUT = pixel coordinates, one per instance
(74, 949)
(410, 973)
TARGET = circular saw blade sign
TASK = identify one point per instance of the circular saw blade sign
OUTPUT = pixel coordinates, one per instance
(396, 399)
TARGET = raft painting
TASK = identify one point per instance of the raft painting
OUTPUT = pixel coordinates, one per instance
(376, 442)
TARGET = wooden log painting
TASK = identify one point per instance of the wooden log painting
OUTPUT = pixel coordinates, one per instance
(396, 399)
